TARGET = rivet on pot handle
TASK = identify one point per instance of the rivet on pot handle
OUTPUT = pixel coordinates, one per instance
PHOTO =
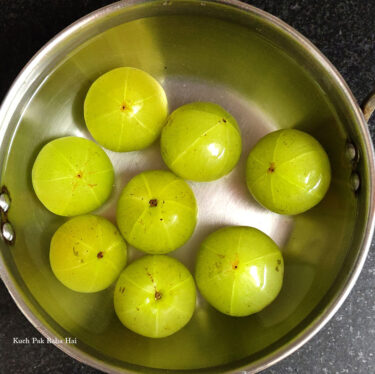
(369, 107)
(6, 228)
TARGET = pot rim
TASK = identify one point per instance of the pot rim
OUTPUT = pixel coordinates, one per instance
(320, 321)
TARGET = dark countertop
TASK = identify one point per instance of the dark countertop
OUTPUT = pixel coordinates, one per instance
(345, 32)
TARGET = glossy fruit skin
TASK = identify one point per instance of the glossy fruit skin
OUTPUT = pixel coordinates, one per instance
(201, 142)
(239, 270)
(87, 253)
(72, 176)
(288, 172)
(157, 212)
(125, 109)
(155, 296)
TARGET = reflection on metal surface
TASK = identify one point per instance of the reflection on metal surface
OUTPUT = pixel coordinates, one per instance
(7, 232)
(355, 181)
(4, 202)
(350, 151)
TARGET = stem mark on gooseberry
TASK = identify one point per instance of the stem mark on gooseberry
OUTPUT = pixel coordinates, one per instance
(271, 169)
(157, 295)
(224, 120)
(153, 203)
(100, 254)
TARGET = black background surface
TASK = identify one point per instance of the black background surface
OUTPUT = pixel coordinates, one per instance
(345, 32)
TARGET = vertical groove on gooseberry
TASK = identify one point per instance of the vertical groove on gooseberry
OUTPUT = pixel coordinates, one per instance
(296, 157)
(187, 149)
(168, 185)
(167, 235)
(275, 148)
(100, 233)
(113, 265)
(157, 321)
(272, 191)
(239, 241)
(233, 293)
(94, 278)
(145, 181)
(224, 166)
(137, 221)
(95, 195)
(118, 148)
(63, 156)
(126, 84)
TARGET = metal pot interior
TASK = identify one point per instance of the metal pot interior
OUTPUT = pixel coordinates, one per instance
(268, 80)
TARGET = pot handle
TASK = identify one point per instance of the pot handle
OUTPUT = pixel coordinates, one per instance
(369, 107)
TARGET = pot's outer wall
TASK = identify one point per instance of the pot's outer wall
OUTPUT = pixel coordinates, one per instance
(345, 34)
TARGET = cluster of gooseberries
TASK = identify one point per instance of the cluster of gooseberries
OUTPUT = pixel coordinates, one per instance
(239, 270)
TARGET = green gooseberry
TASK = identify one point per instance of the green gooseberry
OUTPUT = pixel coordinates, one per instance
(239, 270)
(157, 212)
(87, 253)
(155, 296)
(125, 109)
(201, 142)
(288, 172)
(72, 176)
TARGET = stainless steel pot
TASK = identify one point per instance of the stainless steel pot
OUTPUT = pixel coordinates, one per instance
(268, 76)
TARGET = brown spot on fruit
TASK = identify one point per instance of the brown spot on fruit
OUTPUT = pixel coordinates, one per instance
(235, 264)
(149, 275)
(277, 268)
(271, 169)
(279, 262)
(80, 174)
(153, 203)
(224, 120)
(157, 295)
(100, 254)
